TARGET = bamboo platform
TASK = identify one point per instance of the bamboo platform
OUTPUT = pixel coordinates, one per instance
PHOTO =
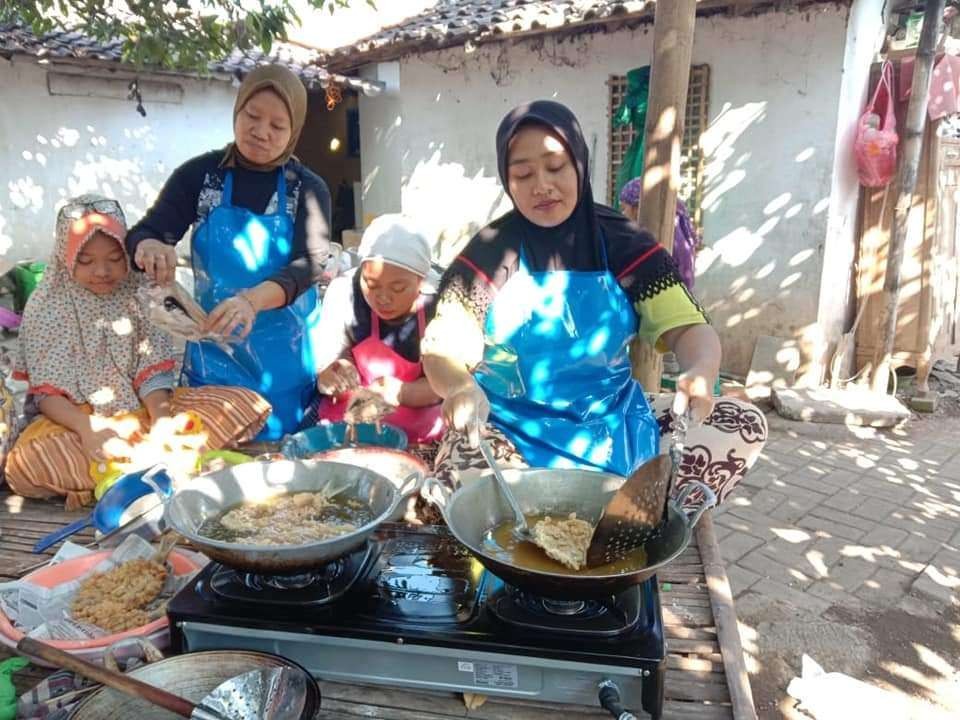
(706, 679)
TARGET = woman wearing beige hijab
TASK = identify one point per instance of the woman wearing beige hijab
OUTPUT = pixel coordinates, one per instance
(260, 237)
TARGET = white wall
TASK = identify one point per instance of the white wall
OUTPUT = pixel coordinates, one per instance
(381, 152)
(55, 147)
(775, 83)
(865, 33)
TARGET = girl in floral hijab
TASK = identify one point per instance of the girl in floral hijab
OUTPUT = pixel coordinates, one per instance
(84, 336)
(101, 376)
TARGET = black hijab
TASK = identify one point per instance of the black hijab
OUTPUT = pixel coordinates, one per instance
(577, 244)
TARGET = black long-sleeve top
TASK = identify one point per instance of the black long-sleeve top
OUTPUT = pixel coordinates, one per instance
(196, 187)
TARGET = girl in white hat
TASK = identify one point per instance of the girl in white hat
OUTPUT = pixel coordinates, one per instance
(372, 321)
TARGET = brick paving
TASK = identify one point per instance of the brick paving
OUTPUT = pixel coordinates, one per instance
(839, 528)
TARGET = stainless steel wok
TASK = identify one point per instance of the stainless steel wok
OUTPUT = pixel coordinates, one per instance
(211, 494)
(478, 507)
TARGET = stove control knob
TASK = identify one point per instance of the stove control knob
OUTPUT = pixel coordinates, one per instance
(399, 641)
(610, 701)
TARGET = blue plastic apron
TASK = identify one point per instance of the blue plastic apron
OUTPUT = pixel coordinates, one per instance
(557, 371)
(235, 249)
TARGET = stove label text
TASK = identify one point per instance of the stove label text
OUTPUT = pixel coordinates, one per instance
(463, 666)
(495, 675)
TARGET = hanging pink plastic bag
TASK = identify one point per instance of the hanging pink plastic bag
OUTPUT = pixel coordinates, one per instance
(876, 144)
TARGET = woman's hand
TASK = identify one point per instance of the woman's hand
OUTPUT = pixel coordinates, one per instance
(233, 313)
(387, 389)
(466, 409)
(697, 348)
(157, 259)
(105, 444)
(695, 391)
(339, 377)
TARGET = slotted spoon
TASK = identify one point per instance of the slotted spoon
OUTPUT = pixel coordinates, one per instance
(279, 693)
(636, 512)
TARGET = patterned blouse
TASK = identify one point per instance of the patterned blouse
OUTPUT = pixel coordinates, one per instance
(643, 268)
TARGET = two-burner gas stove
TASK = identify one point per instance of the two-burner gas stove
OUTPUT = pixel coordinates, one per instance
(414, 609)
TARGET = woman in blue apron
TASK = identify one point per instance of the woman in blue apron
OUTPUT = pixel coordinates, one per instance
(535, 318)
(260, 238)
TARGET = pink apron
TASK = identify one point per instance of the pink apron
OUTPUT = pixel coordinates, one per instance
(375, 359)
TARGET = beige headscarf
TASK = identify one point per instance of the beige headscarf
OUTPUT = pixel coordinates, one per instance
(288, 86)
(92, 349)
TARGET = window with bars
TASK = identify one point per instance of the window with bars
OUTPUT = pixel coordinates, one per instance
(695, 123)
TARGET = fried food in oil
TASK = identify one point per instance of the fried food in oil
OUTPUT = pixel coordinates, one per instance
(289, 519)
(566, 541)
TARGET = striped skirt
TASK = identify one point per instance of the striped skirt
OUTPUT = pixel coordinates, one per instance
(48, 460)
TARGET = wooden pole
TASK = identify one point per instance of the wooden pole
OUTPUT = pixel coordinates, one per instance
(667, 104)
(724, 614)
(911, 144)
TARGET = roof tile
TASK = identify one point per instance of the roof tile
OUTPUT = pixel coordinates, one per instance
(16, 38)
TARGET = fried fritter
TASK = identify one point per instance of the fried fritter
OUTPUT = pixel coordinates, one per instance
(566, 541)
(115, 600)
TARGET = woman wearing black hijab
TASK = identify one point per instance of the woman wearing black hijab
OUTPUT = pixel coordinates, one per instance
(535, 318)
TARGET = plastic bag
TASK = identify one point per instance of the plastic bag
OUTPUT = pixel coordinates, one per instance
(173, 310)
(633, 111)
(875, 147)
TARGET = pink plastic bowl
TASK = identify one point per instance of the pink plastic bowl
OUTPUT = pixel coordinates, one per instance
(72, 569)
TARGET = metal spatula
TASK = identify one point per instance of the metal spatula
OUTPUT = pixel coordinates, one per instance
(637, 511)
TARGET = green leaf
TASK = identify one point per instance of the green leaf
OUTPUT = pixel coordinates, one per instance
(174, 34)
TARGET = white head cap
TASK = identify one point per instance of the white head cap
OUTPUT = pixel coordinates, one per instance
(395, 239)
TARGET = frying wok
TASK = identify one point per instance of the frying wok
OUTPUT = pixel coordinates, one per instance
(211, 494)
(475, 509)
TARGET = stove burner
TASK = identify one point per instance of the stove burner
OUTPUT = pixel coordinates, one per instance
(319, 587)
(325, 575)
(563, 607)
(611, 617)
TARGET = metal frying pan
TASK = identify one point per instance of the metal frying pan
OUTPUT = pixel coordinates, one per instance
(476, 508)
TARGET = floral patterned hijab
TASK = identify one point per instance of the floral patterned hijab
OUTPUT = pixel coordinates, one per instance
(92, 349)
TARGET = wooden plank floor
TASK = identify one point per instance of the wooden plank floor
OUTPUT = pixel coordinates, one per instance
(696, 686)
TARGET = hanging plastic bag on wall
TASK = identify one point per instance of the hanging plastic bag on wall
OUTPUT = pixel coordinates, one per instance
(875, 146)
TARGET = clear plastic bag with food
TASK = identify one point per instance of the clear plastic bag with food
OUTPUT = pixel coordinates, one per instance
(172, 309)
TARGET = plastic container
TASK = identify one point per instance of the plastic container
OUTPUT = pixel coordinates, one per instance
(157, 632)
(117, 504)
(332, 435)
(9, 320)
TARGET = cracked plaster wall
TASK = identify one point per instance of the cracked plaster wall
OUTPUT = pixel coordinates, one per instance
(58, 146)
(770, 150)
